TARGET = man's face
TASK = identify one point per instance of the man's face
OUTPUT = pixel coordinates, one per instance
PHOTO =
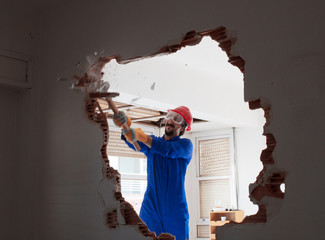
(172, 129)
(173, 125)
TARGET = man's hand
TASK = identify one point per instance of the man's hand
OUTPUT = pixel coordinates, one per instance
(133, 135)
(120, 119)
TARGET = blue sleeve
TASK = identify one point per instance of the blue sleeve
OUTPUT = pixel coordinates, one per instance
(144, 148)
(182, 148)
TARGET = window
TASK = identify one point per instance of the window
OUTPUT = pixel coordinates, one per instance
(132, 166)
(133, 178)
(203, 231)
(215, 176)
(117, 147)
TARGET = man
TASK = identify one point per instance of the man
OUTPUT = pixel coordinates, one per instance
(164, 207)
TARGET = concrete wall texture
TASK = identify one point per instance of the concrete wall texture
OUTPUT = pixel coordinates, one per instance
(51, 163)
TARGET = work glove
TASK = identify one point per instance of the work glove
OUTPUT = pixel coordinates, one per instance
(133, 135)
(120, 119)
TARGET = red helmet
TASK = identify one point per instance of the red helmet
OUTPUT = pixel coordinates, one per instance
(186, 114)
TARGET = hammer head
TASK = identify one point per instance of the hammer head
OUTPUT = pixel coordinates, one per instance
(103, 94)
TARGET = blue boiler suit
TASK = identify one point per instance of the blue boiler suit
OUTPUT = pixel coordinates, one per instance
(164, 207)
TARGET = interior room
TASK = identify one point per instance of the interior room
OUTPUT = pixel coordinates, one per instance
(56, 179)
(194, 72)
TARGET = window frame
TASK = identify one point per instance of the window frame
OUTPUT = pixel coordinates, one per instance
(233, 177)
(130, 176)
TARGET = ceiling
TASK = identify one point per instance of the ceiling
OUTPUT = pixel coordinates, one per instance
(199, 77)
(138, 114)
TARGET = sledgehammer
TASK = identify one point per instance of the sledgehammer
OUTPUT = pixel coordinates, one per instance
(125, 126)
(108, 97)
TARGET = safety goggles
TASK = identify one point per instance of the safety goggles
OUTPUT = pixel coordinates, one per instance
(175, 117)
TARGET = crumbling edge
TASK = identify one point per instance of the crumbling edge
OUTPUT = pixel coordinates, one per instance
(267, 182)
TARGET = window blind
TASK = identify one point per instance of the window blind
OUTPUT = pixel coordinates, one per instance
(133, 187)
(133, 192)
(117, 147)
(215, 172)
(214, 156)
(211, 190)
(203, 231)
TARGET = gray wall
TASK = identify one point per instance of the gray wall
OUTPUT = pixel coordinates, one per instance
(9, 161)
(53, 195)
(19, 127)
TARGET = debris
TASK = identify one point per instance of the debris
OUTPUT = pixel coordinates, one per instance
(62, 79)
(153, 86)
(104, 87)
(135, 99)
(78, 64)
(91, 59)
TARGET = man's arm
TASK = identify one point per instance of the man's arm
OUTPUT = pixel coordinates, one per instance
(173, 149)
(144, 149)
(138, 135)
(149, 141)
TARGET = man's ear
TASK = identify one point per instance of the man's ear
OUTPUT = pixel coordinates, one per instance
(182, 129)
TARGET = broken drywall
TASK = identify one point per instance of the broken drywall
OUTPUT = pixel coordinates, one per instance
(282, 43)
(267, 182)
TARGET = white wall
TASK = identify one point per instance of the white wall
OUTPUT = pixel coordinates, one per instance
(249, 145)
(283, 47)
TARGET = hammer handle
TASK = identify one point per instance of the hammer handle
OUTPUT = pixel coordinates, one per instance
(125, 126)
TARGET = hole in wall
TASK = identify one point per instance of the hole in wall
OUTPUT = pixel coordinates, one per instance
(191, 38)
(202, 71)
(282, 187)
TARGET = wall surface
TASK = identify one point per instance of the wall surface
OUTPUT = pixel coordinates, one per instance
(19, 128)
(282, 43)
(9, 182)
(249, 144)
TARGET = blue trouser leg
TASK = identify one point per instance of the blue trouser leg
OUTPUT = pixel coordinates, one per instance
(177, 227)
